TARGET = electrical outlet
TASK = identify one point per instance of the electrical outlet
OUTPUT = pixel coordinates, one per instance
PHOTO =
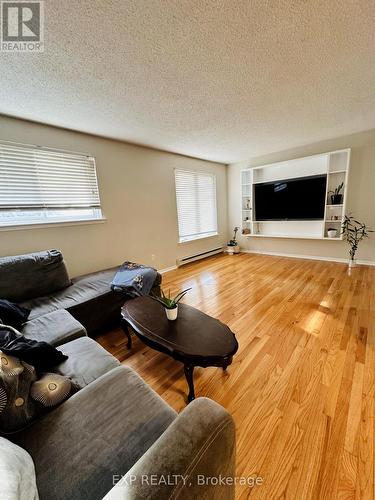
(152, 257)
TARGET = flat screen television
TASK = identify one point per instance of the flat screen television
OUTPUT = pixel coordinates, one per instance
(291, 199)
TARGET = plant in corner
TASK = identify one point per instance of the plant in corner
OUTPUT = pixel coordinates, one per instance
(169, 303)
(232, 245)
(354, 232)
(336, 196)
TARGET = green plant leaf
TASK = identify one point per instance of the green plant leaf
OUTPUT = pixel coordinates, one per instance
(179, 296)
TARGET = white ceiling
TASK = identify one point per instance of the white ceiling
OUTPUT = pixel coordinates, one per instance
(224, 80)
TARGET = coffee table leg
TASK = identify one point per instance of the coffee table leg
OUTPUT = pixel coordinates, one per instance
(189, 370)
(227, 362)
(125, 329)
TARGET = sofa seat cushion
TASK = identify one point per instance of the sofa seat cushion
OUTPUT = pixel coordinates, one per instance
(83, 289)
(56, 328)
(99, 433)
(89, 299)
(87, 361)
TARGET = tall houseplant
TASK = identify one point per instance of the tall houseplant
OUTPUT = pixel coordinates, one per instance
(354, 232)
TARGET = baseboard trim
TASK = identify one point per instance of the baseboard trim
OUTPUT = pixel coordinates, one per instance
(310, 257)
(167, 269)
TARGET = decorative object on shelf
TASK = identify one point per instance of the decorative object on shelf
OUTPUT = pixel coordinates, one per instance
(336, 197)
(170, 304)
(246, 230)
(332, 232)
(354, 232)
(232, 245)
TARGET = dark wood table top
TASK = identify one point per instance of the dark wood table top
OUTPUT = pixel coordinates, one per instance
(193, 336)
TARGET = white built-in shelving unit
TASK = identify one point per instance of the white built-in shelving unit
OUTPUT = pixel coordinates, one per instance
(335, 165)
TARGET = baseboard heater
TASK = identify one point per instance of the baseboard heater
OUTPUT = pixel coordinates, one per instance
(198, 256)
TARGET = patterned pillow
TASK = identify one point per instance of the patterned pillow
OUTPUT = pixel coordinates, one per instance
(23, 397)
(17, 408)
(51, 389)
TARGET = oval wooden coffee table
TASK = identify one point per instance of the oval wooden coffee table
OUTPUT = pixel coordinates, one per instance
(195, 338)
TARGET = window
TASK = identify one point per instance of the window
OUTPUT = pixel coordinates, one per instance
(41, 185)
(196, 204)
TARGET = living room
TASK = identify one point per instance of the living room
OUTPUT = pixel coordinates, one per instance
(187, 250)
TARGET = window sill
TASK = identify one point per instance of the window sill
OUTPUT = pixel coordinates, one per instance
(183, 242)
(39, 225)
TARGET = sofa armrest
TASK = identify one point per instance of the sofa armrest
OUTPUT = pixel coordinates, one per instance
(197, 448)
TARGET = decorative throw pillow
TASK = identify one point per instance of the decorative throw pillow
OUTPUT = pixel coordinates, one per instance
(51, 389)
(41, 355)
(13, 314)
(17, 473)
(22, 397)
(17, 409)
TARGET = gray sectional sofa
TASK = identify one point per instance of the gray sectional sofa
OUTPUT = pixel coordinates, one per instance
(115, 438)
(40, 282)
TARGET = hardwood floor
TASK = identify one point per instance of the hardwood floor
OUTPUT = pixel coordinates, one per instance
(301, 387)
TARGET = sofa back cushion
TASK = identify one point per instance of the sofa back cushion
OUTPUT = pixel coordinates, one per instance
(24, 277)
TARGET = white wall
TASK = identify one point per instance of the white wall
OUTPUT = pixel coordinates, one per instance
(361, 198)
(138, 199)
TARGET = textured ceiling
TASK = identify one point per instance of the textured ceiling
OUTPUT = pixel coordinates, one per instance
(222, 80)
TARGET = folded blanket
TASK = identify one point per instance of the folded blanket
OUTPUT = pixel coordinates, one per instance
(134, 279)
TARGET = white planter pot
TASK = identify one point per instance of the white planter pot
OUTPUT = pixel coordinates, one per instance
(233, 249)
(332, 234)
(352, 263)
(171, 313)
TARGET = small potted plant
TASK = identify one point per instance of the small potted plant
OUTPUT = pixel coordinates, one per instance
(336, 196)
(170, 304)
(354, 232)
(332, 232)
(232, 245)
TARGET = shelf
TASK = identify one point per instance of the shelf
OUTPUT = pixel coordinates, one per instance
(334, 165)
(300, 237)
(286, 221)
(295, 236)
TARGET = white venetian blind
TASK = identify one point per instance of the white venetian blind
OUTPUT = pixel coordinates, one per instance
(196, 204)
(32, 177)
